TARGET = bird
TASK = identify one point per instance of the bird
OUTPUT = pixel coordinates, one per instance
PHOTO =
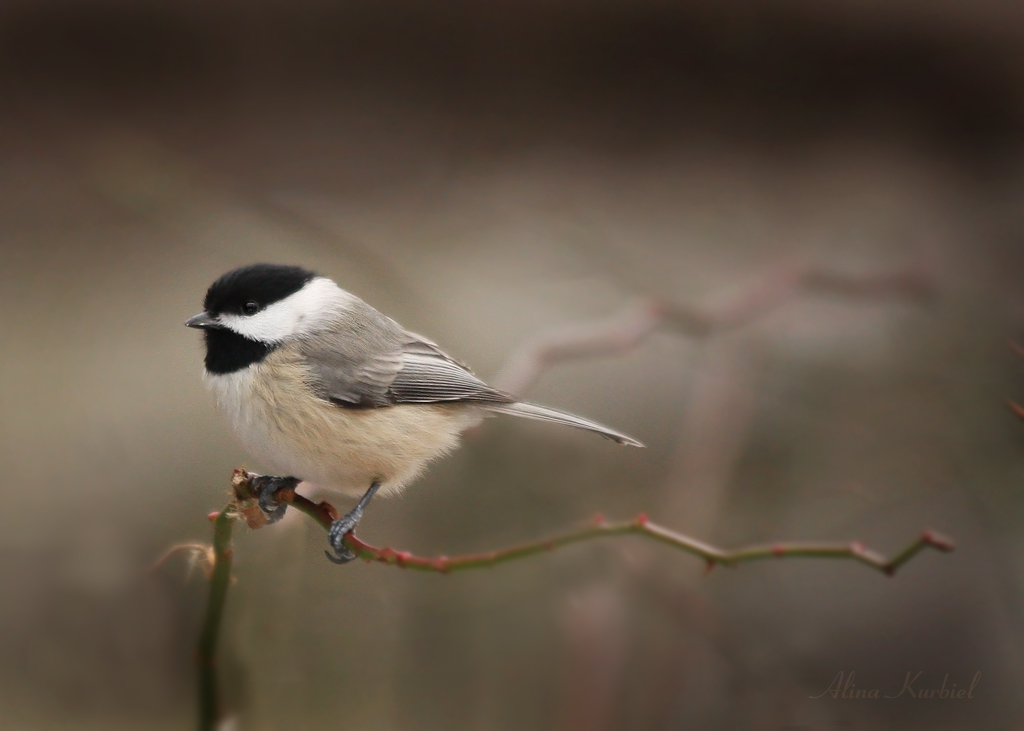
(324, 389)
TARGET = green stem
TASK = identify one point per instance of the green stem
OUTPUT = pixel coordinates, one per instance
(209, 703)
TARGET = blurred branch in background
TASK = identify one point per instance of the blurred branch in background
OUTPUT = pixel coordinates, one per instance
(592, 671)
(634, 323)
(245, 507)
(712, 435)
(1014, 406)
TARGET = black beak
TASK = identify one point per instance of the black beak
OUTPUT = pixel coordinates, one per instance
(204, 321)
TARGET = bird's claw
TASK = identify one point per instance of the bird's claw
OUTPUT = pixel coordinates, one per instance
(266, 488)
(336, 536)
(340, 558)
(345, 525)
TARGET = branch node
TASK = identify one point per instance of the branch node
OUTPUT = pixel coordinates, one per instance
(241, 483)
(939, 541)
(642, 520)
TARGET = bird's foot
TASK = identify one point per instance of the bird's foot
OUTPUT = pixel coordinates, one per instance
(267, 488)
(345, 525)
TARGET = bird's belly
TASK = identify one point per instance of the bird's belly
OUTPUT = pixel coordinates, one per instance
(294, 433)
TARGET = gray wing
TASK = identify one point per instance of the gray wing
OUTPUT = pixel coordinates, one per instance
(429, 375)
(391, 366)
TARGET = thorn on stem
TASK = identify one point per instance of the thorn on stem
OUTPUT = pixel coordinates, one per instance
(598, 519)
(778, 550)
(642, 520)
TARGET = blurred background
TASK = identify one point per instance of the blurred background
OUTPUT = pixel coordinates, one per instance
(486, 173)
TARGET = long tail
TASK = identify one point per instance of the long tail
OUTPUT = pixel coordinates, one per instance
(545, 413)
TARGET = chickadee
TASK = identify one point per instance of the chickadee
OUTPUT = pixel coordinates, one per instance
(321, 387)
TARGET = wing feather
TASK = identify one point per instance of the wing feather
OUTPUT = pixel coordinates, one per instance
(430, 378)
(401, 368)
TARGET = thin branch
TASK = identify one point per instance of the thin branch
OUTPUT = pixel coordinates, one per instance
(643, 527)
(626, 330)
(323, 513)
(199, 554)
(244, 507)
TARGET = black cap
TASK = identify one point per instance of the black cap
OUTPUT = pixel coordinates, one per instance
(263, 284)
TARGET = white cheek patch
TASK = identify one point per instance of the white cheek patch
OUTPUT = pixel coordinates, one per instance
(305, 311)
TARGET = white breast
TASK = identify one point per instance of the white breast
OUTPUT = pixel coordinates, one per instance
(236, 398)
(294, 433)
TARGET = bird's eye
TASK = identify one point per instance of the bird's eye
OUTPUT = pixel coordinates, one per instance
(250, 308)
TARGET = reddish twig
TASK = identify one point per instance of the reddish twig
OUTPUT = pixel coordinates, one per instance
(641, 526)
(635, 322)
(244, 507)
(323, 513)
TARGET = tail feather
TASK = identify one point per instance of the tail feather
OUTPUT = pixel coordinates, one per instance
(545, 413)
